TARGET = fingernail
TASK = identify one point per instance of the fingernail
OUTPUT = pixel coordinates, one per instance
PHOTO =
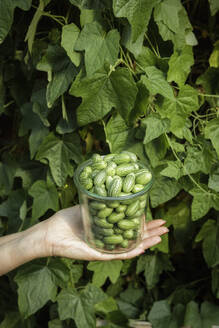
(165, 229)
(158, 240)
(163, 221)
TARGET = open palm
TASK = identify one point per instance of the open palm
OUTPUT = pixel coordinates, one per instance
(64, 237)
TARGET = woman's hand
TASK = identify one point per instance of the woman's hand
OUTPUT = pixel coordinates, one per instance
(64, 237)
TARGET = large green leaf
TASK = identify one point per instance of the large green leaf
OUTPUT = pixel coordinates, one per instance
(179, 65)
(156, 82)
(60, 83)
(7, 173)
(10, 208)
(178, 109)
(192, 316)
(100, 47)
(163, 190)
(155, 126)
(215, 281)
(173, 23)
(213, 181)
(11, 320)
(200, 208)
(45, 196)
(79, 306)
(70, 34)
(59, 153)
(35, 288)
(153, 266)
(211, 246)
(117, 133)
(156, 150)
(209, 314)
(137, 12)
(31, 121)
(212, 133)
(7, 8)
(198, 159)
(174, 170)
(214, 6)
(160, 314)
(103, 91)
(103, 270)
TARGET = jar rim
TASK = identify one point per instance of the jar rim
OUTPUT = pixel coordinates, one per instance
(108, 198)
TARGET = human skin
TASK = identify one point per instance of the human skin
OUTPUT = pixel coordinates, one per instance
(62, 235)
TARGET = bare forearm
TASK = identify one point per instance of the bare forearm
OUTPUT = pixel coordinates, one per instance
(22, 247)
(8, 238)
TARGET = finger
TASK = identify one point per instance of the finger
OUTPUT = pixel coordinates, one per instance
(155, 232)
(154, 224)
(145, 244)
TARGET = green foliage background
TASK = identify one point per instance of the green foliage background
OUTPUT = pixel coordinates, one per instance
(82, 76)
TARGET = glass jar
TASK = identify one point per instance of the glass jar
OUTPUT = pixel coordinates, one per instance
(107, 227)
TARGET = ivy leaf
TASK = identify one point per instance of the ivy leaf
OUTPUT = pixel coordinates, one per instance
(153, 266)
(103, 270)
(174, 170)
(155, 126)
(213, 181)
(211, 245)
(180, 64)
(38, 98)
(103, 91)
(214, 6)
(177, 110)
(173, 23)
(212, 133)
(106, 306)
(45, 196)
(145, 58)
(163, 190)
(198, 160)
(215, 281)
(80, 306)
(31, 121)
(205, 230)
(35, 288)
(156, 150)
(200, 208)
(160, 314)
(192, 316)
(7, 8)
(70, 34)
(11, 320)
(100, 47)
(60, 83)
(59, 152)
(155, 82)
(60, 272)
(137, 12)
(7, 173)
(10, 208)
(117, 133)
(133, 46)
(55, 323)
(209, 314)
(214, 58)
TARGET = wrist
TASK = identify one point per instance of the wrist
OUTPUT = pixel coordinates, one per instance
(33, 242)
